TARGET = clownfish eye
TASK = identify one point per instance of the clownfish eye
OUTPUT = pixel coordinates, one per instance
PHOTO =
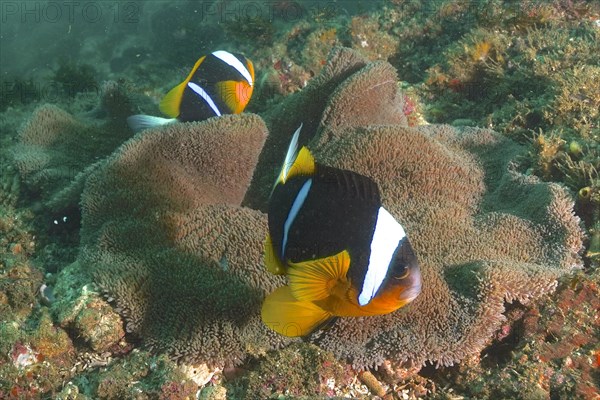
(404, 275)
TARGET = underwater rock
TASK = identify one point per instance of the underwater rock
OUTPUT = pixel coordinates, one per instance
(140, 375)
(299, 370)
(99, 326)
(39, 358)
(213, 393)
(18, 286)
(552, 347)
(164, 235)
(70, 392)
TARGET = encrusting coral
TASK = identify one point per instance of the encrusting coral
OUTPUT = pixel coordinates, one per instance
(166, 238)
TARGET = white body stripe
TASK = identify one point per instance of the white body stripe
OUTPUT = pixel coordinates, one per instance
(202, 93)
(298, 202)
(232, 60)
(388, 234)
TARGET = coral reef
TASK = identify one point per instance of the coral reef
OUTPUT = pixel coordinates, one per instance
(500, 67)
(547, 351)
(296, 371)
(375, 43)
(528, 70)
(39, 359)
(484, 233)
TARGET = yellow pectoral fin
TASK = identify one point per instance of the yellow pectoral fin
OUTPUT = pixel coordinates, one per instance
(170, 103)
(272, 261)
(313, 280)
(287, 316)
(235, 94)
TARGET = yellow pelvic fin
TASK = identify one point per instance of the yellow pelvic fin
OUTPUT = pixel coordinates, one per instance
(235, 94)
(272, 261)
(170, 104)
(303, 165)
(287, 316)
(314, 280)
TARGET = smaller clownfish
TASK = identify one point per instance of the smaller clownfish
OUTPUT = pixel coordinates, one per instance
(343, 253)
(220, 83)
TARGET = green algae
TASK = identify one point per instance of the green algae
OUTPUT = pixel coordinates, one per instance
(541, 79)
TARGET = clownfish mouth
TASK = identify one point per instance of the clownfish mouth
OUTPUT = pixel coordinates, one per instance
(411, 285)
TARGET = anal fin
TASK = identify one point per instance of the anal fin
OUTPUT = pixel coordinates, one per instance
(287, 316)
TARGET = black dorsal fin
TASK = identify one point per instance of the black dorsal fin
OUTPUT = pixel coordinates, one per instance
(350, 183)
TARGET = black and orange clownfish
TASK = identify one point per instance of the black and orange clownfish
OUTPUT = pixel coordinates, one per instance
(220, 83)
(343, 253)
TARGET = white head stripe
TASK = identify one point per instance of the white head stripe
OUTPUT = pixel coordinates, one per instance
(232, 60)
(202, 93)
(388, 234)
(298, 202)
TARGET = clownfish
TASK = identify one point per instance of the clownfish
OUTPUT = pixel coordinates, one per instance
(344, 254)
(220, 83)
